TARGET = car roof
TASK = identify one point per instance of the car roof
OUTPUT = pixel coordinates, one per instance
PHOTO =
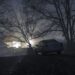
(49, 40)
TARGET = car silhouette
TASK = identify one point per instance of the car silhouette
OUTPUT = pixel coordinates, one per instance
(45, 47)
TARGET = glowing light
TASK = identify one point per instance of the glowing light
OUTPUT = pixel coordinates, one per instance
(32, 42)
(16, 44)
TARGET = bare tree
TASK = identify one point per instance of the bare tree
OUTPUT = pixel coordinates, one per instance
(25, 22)
(61, 11)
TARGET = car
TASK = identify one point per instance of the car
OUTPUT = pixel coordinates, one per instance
(45, 47)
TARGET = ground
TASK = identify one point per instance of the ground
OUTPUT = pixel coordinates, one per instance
(38, 65)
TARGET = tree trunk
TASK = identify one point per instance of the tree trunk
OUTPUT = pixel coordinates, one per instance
(70, 45)
(30, 50)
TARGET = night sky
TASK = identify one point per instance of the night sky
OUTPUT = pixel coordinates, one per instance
(12, 13)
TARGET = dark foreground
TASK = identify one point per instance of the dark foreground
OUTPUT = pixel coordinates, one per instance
(38, 65)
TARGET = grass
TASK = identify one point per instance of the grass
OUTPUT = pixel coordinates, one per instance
(38, 65)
